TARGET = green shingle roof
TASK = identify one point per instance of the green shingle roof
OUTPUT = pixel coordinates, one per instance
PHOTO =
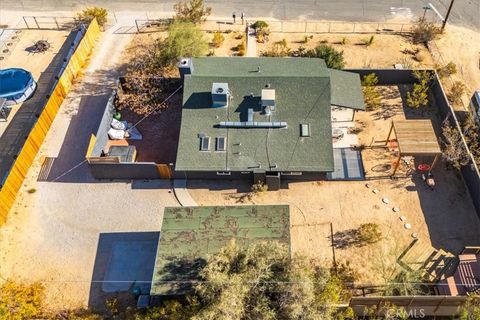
(190, 234)
(346, 89)
(303, 96)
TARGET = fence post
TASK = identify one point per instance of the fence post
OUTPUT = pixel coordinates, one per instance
(306, 22)
(136, 24)
(329, 26)
(36, 22)
(56, 22)
(25, 20)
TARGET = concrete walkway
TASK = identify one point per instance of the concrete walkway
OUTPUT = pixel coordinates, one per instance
(181, 193)
(251, 43)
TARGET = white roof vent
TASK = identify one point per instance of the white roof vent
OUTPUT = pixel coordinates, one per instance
(220, 95)
(268, 97)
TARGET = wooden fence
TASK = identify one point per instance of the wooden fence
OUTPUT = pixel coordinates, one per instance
(35, 139)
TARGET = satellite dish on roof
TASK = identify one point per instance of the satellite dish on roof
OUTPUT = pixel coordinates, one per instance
(219, 90)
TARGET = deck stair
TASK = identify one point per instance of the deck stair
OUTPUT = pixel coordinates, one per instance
(433, 263)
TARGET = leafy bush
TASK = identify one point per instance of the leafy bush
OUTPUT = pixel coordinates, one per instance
(259, 188)
(89, 14)
(471, 132)
(218, 39)
(455, 93)
(418, 97)
(369, 233)
(453, 149)
(447, 70)
(470, 310)
(279, 49)
(333, 58)
(424, 31)
(265, 283)
(370, 93)
(19, 301)
(183, 40)
(193, 11)
(260, 24)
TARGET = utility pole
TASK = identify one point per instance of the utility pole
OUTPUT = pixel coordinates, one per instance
(448, 14)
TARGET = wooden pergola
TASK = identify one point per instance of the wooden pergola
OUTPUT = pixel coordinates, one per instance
(415, 138)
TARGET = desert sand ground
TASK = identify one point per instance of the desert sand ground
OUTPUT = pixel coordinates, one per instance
(36, 63)
(444, 218)
(461, 46)
(385, 51)
(54, 229)
(52, 234)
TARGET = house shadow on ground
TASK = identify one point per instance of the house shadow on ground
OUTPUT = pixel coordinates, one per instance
(123, 261)
(93, 95)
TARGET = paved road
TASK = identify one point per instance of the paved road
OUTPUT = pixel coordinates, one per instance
(466, 12)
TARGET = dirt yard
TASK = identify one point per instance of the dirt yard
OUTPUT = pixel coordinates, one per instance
(443, 218)
(385, 51)
(461, 46)
(41, 65)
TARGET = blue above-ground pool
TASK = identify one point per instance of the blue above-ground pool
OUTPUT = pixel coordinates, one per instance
(16, 85)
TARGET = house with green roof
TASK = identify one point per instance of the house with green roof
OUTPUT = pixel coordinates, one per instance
(190, 235)
(262, 119)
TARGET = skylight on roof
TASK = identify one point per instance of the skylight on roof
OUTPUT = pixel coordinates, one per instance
(204, 143)
(304, 130)
(220, 144)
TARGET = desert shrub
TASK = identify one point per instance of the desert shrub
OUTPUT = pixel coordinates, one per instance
(471, 132)
(344, 41)
(305, 39)
(20, 301)
(346, 273)
(369, 41)
(32, 190)
(453, 148)
(369, 233)
(193, 11)
(370, 93)
(89, 14)
(405, 283)
(259, 24)
(218, 39)
(278, 49)
(183, 40)
(259, 188)
(455, 93)
(424, 31)
(241, 49)
(447, 70)
(420, 56)
(333, 58)
(470, 310)
(418, 97)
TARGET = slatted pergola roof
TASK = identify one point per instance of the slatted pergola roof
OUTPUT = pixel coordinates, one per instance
(415, 138)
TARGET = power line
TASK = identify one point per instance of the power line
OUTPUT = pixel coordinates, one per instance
(137, 123)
